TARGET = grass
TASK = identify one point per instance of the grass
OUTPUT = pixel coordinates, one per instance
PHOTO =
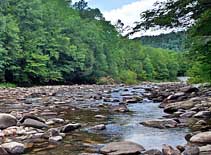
(7, 85)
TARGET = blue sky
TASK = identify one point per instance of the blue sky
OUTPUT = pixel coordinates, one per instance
(128, 11)
(106, 5)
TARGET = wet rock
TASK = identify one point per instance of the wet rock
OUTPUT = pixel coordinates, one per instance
(120, 148)
(180, 148)
(168, 150)
(99, 127)
(186, 105)
(100, 116)
(14, 147)
(152, 152)
(120, 108)
(188, 136)
(187, 114)
(175, 96)
(203, 114)
(132, 99)
(34, 123)
(70, 127)
(160, 123)
(7, 120)
(55, 139)
(205, 150)
(3, 151)
(203, 137)
(191, 150)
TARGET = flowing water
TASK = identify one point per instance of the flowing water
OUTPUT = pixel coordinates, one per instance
(119, 127)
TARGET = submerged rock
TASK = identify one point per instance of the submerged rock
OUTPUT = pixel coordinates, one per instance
(160, 123)
(120, 148)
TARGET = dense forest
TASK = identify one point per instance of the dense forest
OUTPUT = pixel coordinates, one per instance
(195, 17)
(57, 42)
(172, 41)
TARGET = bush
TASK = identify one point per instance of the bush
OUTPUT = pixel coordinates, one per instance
(128, 77)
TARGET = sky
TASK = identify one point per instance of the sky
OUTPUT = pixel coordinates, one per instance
(128, 11)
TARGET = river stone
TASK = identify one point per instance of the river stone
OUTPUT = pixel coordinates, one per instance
(205, 150)
(186, 105)
(120, 148)
(7, 120)
(99, 127)
(70, 127)
(203, 137)
(168, 150)
(193, 150)
(14, 147)
(160, 123)
(55, 139)
(34, 123)
(153, 152)
(3, 151)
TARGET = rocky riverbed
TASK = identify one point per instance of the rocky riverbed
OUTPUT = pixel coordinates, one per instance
(148, 119)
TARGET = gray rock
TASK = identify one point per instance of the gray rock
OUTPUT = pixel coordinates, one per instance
(161, 123)
(203, 137)
(168, 150)
(120, 148)
(153, 152)
(34, 123)
(55, 139)
(205, 150)
(70, 127)
(187, 114)
(203, 114)
(191, 150)
(99, 127)
(3, 151)
(14, 147)
(7, 120)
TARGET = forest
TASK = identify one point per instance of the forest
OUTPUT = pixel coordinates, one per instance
(57, 42)
(172, 41)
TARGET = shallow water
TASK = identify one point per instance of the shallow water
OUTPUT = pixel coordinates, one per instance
(119, 127)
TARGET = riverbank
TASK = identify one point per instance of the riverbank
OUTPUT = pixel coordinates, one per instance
(84, 118)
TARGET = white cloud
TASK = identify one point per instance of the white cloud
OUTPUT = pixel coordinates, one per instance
(130, 13)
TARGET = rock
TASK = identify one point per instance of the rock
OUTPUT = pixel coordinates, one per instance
(203, 114)
(203, 137)
(168, 150)
(205, 150)
(7, 120)
(3, 151)
(175, 96)
(186, 105)
(180, 148)
(99, 127)
(191, 150)
(34, 123)
(14, 147)
(153, 152)
(120, 148)
(161, 123)
(55, 139)
(120, 108)
(70, 127)
(189, 89)
(100, 116)
(187, 114)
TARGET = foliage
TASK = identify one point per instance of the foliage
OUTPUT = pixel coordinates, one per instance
(54, 41)
(172, 41)
(194, 15)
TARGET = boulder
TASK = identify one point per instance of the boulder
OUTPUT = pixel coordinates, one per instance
(99, 127)
(186, 105)
(7, 120)
(205, 150)
(120, 148)
(70, 127)
(153, 152)
(14, 147)
(191, 150)
(168, 150)
(187, 114)
(160, 123)
(34, 123)
(203, 114)
(3, 151)
(203, 137)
